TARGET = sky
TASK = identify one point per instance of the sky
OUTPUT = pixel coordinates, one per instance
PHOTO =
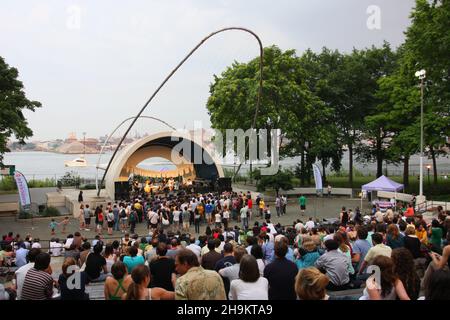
(93, 64)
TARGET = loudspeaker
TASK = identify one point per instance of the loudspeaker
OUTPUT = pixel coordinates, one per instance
(122, 190)
(224, 184)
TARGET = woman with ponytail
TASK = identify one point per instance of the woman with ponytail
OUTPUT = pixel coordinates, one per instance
(138, 289)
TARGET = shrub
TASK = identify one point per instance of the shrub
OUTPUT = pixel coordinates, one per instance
(51, 212)
(7, 183)
(25, 215)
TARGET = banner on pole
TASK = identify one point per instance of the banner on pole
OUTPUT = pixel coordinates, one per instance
(317, 178)
(24, 192)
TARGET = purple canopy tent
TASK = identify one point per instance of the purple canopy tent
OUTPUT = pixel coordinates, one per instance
(382, 184)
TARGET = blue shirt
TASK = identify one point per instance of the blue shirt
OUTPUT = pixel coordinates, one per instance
(361, 247)
(268, 251)
(307, 260)
(132, 262)
(208, 208)
(21, 257)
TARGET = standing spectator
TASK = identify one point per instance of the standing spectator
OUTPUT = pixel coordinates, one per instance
(87, 217)
(302, 203)
(80, 197)
(329, 191)
(283, 204)
(281, 274)
(335, 265)
(250, 285)
(186, 215)
(196, 283)
(38, 282)
(278, 205)
(110, 220)
(244, 217)
(116, 217)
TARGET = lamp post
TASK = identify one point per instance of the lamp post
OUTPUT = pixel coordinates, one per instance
(421, 75)
(428, 168)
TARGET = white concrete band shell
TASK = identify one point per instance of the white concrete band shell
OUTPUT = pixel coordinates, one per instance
(161, 145)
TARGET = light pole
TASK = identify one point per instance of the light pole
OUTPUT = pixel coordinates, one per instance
(421, 75)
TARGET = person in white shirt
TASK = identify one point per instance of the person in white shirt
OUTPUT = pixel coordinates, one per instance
(232, 272)
(55, 248)
(299, 226)
(193, 247)
(36, 244)
(22, 271)
(250, 285)
(310, 224)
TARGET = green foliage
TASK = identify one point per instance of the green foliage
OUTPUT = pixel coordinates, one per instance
(50, 212)
(281, 180)
(25, 215)
(12, 103)
(7, 183)
(46, 183)
(70, 179)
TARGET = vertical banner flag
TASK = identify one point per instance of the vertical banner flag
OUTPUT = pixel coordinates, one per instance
(22, 187)
(317, 178)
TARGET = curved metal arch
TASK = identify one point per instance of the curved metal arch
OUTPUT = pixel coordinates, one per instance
(261, 54)
(112, 133)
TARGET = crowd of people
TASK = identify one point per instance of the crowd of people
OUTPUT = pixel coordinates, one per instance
(250, 260)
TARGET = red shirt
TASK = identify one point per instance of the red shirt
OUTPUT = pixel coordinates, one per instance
(250, 203)
(409, 212)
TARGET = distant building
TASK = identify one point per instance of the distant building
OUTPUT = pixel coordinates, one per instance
(72, 138)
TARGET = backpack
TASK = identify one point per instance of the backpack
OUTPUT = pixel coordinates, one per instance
(123, 213)
(133, 216)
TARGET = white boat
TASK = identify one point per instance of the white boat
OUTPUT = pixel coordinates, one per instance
(77, 162)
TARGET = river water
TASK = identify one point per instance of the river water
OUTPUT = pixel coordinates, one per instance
(41, 165)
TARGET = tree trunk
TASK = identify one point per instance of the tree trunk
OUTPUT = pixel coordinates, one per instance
(350, 165)
(302, 166)
(276, 190)
(433, 157)
(379, 159)
(324, 174)
(406, 172)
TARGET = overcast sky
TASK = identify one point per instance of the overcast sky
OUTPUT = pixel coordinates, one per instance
(94, 63)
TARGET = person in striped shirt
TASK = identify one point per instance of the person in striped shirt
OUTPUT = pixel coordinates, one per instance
(38, 283)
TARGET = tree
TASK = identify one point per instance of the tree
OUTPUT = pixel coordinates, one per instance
(281, 180)
(12, 103)
(374, 137)
(286, 102)
(427, 46)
